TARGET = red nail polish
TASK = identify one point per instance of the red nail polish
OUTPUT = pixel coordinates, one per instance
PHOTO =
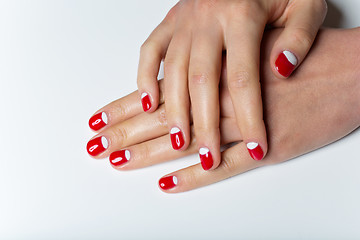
(168, 182)
(145, 101)
(119, 157)
(286, 63)
(205, 158)
(98, 121)
(177, 139)
(255, 151)
(97, 145)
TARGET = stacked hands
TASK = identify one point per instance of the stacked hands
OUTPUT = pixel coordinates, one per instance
(314, 107)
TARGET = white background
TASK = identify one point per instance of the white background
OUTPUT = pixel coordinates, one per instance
(62, 60)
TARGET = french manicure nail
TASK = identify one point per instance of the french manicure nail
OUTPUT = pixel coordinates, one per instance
(177, 139)
(119, 157)
(286, 63)
(145, 101)
(98, 121)
(206, 158)
(97, 145)
(168, 182)
(255, 151)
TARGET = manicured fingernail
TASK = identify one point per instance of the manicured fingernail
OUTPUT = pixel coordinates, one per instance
(119, 157)
(286, 63)
(97, 145)
(168, 182)
(255, 150)
(145, 101)
(98, 121)
(177, 139)
(205, 158)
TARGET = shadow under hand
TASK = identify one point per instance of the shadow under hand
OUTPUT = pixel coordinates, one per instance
(334, 18)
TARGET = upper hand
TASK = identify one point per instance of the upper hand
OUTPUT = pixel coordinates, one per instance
(192, 38)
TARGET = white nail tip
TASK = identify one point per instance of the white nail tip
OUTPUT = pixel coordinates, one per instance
(290, 57)
(104, 142)
(203, 151)
(175, 180)
(143, 95)
(104, 117)
(127, 154)
(174, 130)
(252, 145)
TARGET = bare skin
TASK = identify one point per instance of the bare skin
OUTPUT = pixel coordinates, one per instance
(314, 107)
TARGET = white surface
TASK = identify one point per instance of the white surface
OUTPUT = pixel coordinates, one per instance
(62, 60)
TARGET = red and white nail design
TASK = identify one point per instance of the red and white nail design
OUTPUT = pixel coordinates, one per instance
(145, 101)
(98, 121)
(97, 145)
(206, 158)
(286, 63)
(177, 139)
(255, 150)
(168, 182)
(119, 157)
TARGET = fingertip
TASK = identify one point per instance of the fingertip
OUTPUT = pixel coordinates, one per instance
(285, 63)
(98, 121)
(206, 158)
(177, 139)
(149, 101)
(168, 183)
(96, 146)
(257, 150)
(119, 159)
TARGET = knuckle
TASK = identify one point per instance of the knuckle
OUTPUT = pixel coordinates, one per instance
(161, 117)
(121, 109)
(239, 80)
(205, 6)
(199, 79)
(246, 9)
(206, 131)
(121, 135)
(229, 163)
(201, 130)
(149, 48)
(171, 15)
(172, 65)
(302, 36)
(191, 178)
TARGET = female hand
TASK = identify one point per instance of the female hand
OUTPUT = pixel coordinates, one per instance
(317, 106)
(192, 37)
